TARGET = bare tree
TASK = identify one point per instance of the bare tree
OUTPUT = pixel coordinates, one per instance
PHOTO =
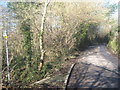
(41, 36)
(5, 27)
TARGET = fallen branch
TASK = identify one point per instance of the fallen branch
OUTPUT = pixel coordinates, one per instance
(68, 76)
(41, 81)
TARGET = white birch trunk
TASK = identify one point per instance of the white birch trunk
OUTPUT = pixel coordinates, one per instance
(41, 36)
(7, 58)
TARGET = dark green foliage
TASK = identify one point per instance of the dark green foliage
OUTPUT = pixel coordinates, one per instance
(23, 70)
(25, 27)
(83, 39)
(46, 69)
(113, 41)
(21, 75)
(101, 40)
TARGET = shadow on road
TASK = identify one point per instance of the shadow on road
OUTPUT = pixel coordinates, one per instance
(90, 76)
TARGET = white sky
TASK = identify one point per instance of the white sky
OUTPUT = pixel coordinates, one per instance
(110, 1)
(115, 15)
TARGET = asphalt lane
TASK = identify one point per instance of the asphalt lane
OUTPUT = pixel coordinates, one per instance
(97, 68)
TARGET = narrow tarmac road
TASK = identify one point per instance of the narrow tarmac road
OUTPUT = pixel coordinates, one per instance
(97, 68)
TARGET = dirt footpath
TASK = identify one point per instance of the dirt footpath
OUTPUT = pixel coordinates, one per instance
(96, 68)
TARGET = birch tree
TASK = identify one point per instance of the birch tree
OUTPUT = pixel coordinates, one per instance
(6, 19)
(41, 33)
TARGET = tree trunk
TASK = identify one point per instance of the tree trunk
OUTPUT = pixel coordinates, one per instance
(1, 58)
(41, 37)
(7, 57)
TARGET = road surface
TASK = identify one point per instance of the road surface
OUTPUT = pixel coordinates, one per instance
(97, 68)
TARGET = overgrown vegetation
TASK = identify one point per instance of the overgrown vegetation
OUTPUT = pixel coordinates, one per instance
(68, 28)
(113, 39)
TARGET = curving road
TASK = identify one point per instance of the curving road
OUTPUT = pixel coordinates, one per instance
(97, 68)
